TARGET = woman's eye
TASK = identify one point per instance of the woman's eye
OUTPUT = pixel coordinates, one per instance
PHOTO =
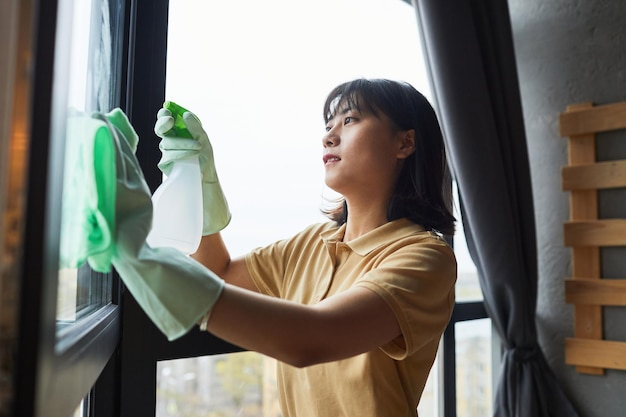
(328, 128)
(348, 120)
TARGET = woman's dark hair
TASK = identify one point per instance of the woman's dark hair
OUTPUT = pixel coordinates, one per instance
(422, 192)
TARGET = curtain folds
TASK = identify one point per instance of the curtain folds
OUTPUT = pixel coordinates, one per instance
(469, 48)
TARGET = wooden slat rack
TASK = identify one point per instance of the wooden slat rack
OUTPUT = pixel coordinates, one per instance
(586, 234)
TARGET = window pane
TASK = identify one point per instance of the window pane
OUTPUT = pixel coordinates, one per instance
(431, 397)
(237, 384)
(91, 86)
(258, 81)
(473, 368)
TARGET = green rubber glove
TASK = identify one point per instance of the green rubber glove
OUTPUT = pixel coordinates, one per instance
(174, 290)
(216, 212)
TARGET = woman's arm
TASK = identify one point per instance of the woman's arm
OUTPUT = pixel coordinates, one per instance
(344, 325)
(213, 254)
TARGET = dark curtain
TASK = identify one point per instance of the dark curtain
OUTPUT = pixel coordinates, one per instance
(469, 48)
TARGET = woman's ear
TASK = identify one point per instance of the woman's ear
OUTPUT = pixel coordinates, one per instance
(407, 144)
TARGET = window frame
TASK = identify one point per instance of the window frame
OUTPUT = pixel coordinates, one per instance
(54, 372)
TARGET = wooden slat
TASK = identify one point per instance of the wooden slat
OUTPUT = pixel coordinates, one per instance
(583, 203)
(586, 262)
(603, 292)
(595, 353)
(601, 175)
(595, 119)
(585, 259)
(610, 232)
(587, 318)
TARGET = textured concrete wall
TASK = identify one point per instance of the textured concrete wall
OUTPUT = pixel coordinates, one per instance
(571, 51)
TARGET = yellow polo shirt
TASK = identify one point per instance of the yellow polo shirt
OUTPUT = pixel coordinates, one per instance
(413, 270)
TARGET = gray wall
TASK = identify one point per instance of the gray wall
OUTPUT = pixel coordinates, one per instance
(571, 51)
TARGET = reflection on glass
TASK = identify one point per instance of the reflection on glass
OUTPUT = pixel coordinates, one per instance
(91, 86)
(81, 292)
(473, 368)
(80, 410)
(67, 294)
(67, 307)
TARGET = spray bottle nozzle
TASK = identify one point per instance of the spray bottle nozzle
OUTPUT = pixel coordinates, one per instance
(179, 127)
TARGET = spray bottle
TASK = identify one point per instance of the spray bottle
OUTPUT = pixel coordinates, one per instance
(177, 203)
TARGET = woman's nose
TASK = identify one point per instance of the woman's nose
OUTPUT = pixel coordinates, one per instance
(330, 140)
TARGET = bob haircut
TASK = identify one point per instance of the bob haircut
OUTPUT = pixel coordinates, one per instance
(422, 192)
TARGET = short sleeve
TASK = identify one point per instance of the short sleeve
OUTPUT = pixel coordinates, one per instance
(417, 282)
(272, 267)
(266, 266)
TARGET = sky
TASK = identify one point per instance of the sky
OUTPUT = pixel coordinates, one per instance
(257, 74)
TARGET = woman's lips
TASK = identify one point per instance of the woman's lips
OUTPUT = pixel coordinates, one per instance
(330, 158)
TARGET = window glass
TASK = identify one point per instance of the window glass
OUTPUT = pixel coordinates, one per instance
(91, 86)
(473, 344)
(467, 285)
(430, 402)
(239, 384)
(236, 384)
(257, 74)
(258, 81)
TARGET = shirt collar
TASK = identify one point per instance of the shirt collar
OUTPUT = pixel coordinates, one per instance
(380, 236)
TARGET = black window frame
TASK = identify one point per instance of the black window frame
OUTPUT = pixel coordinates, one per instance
(55, 371)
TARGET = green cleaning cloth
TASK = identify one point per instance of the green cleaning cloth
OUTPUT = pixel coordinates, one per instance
(88, 202)
(175, 291)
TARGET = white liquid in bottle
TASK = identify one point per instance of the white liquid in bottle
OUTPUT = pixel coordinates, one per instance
(177, 208)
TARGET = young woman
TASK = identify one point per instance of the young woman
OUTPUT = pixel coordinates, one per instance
(353, 309)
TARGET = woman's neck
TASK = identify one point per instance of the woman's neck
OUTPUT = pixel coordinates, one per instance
(363, 219)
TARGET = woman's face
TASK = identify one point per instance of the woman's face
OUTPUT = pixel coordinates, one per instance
(362, 152)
